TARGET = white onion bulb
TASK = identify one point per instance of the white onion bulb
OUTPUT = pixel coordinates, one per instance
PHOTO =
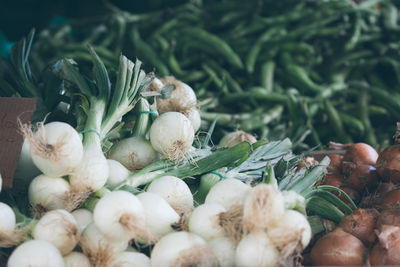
(159, 214)
(119, 216)
(172, 135)
(175, 191)
(76, 259)
(224, 249)
(59, 228)
(204, 221)
(131, 259)
(56, 148)
(83, 218)
(48, 193)
(256, 249)
(182, 249)
(117, 173)
(35, 253)
(228, 192)
(134, 153)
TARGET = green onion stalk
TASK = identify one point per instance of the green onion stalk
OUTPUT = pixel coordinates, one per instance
(106, 106)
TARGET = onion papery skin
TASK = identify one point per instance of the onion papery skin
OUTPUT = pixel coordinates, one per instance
(388, 164)
(361, 224)
(363, 177)
(338, 248)
(387, 250)
(361, 153)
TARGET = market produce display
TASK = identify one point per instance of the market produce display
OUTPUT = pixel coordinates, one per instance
(181, 137)
(103, 208)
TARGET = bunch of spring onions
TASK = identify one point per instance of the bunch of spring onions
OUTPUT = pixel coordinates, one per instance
(110, 183)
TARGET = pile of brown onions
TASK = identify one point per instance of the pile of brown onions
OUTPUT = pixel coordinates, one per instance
(371, 234)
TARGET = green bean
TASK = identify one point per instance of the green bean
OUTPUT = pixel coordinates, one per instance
(120, 33)
(255, 50)
(257, 121)
(213, 75)
(214, 42)
(267, 75)
(355, 36)
(144, 50)
(352, 123)
(377, 110)
(382, 97)
(193, 76)
(299, 77)
(258, 94)
(174, 65)
(230, 81)
(165, 27)
(296, 47)
(336, 122)
(363, 113)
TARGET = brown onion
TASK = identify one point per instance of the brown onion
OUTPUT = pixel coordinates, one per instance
(361, 223)
(387, 250)
(375, 198)
(335, 164)
(338, 248)
(389, 216)
(362, 177)
(384, 188)
(333, 179)
(391, 199)
(352, 193)
(361, 153)
(388, 164)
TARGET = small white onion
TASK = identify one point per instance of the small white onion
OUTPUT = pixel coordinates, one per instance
(120, 215)
(228, 192)
(235, 138)
(291, 227)
(172, 135)
(48, 192)
(175, 191)
(155, 85)
(159, 214)
(7, 219)
(204, 221)
(224, 250)
(182, 249)
(131, 259)
(56, 148)
(95, 243)
(83, 218)
(117, 173)
(76, 259)
(59, 228)
(262, 207)
(92, 172)
(181, 99)
(194, 116)
(134, 153)
(35, 253)
(26, 170)
(256, 249)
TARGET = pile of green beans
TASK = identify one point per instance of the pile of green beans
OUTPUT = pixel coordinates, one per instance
(314, 71)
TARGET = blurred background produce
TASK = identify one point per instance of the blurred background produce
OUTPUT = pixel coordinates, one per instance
(314, 71)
